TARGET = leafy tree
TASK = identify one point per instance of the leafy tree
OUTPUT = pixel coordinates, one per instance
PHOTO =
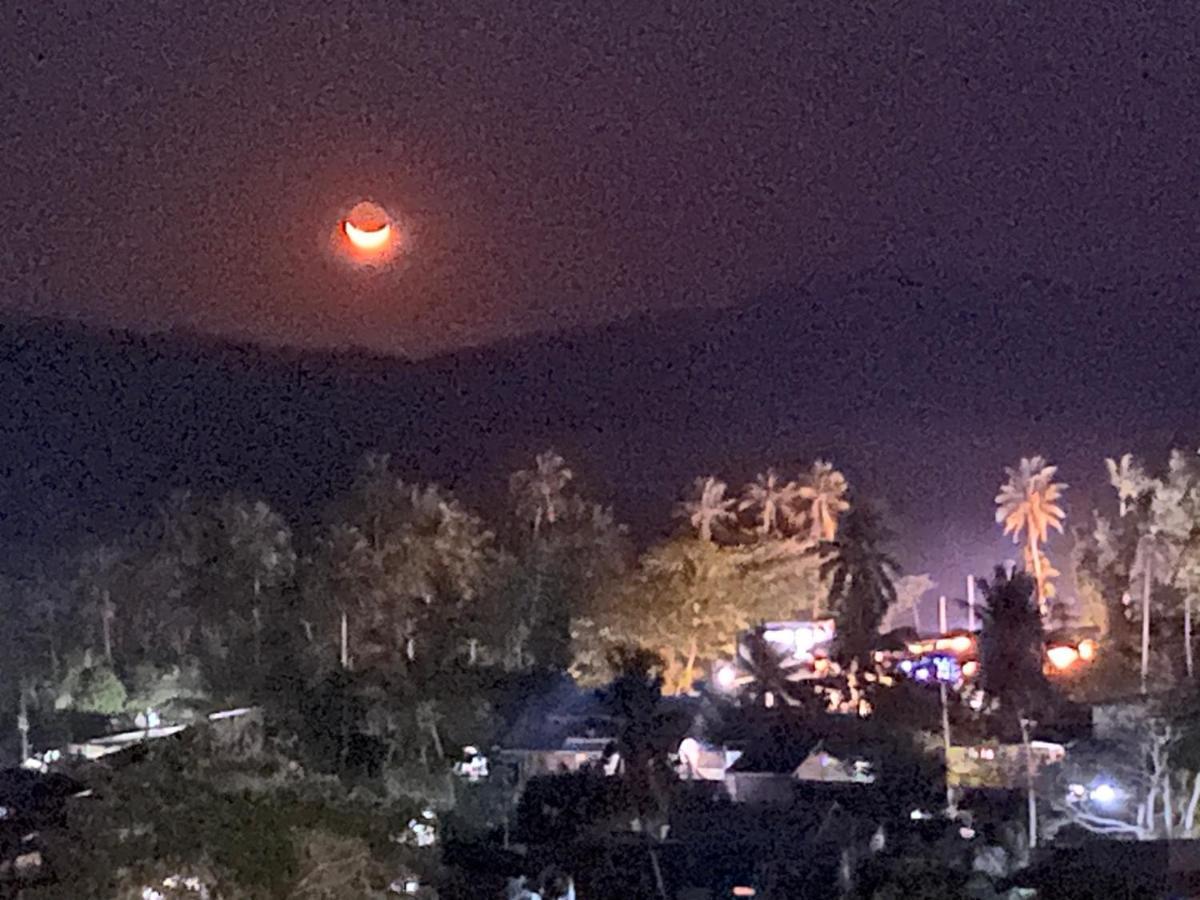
(709, 508)
(634, 698)
(820, 499)
(1012, 642)
(89, 686)
(769, 499)
(861, 577)
(1010, 651)
(1175, 512)
(401, 561)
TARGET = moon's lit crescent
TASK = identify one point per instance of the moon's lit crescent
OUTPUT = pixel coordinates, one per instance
(364, 239)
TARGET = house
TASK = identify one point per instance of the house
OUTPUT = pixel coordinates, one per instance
(562, 729)
(566, 729)
(778, 774)
(997, 766)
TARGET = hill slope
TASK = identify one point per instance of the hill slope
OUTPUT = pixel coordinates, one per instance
(922, 399)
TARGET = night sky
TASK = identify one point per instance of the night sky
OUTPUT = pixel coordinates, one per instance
(176, 164)
(993, 208)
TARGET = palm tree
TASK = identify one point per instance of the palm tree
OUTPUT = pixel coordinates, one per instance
(1151, 564)
(538, 492)
(709, 507)
(1028, 505)
(820, 500)
(259, 542)
(862, 579)
(1129, 479)
(769, 498)
(99, 570)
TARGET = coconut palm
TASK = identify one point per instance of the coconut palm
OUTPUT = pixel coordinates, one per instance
(862, 579)
(1028, 506)
(99, 570)
(1129, 479)
(709, 508)
(539, 492)
(1152, 564)
(769, 498)
(820, 499)
(259, 544)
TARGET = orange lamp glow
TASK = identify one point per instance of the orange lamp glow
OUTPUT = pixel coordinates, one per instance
(961, 644)
(1062, 657)
(1087, 650)
(970, 669)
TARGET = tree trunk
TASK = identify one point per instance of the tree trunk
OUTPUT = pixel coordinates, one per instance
(1147, 584)
(1187, 632)
(23, 720)
(689, 669)
(1189, 815)
(345, 643)
(106, 627)
(1168, 810)
(257, 615)
(1035, 557)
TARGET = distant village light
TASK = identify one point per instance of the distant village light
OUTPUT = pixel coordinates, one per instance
(1063, 657)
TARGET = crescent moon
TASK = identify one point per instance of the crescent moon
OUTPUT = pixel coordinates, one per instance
(367, 240)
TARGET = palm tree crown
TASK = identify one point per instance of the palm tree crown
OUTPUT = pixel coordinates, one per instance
(1028, 506)
(821, 499)
(709, 507)
(769, 498)
(862, 579)
(539, 492)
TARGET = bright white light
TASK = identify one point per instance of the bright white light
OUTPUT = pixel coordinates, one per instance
(966, 833)
(726, 677)
(780, 635)
(1104, 794)
(1062, 657)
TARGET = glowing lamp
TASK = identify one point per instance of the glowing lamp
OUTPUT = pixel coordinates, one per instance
(1087, 650)
(1104, 794)
(961, 644)
(1062, 657)
(726, 677)
(970, 669)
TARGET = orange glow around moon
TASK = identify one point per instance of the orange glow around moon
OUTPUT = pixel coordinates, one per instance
(367, 239)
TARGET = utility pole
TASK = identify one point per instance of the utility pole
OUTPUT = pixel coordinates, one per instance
(951, 810)
(971, 603)
(1030, 796)
(23, 722)
(942, 625)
